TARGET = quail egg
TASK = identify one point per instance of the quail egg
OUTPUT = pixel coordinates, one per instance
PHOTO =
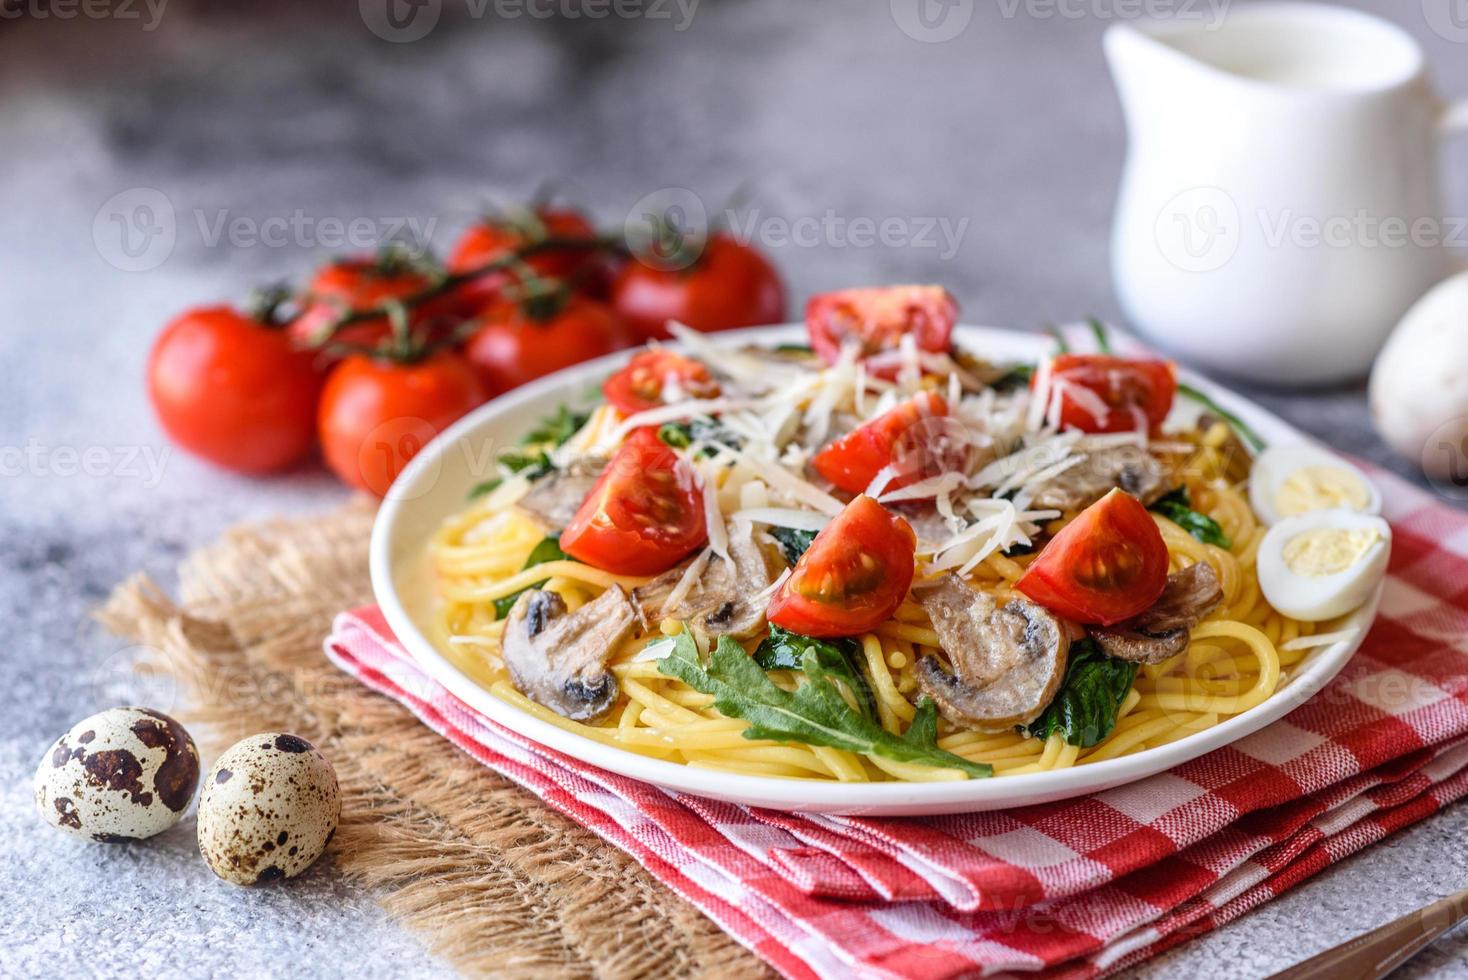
(1323, 564)
(123, 774)
(1290, 480)
(268, 808)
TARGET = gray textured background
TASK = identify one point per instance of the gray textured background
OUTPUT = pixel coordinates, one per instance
(257, 110)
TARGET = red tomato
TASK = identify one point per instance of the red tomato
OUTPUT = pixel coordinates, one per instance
(513, 347)
(853, 576)
(730, 285)
(878, 317)
(639, 386)
(643, 516)
(233, 390)
(1108, 564)
(854, 460)
(357, 285)
(376, 415)
(1137, 393)
(496, 237)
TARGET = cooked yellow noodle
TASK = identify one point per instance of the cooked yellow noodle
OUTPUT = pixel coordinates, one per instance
(1233, 661)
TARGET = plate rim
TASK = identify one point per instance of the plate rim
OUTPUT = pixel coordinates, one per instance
(810, 795)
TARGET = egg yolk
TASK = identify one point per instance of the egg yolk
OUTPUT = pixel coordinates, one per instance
(1328, 550)
(1321, 488)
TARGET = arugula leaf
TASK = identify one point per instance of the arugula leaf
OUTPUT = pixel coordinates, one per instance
(784, 650)
(1017, 376)
(679, 435)
(549, 549)
(1177, 508)
(814, 713)
(555, 429)
(795, 348)
(487, 487)
(701, 428)
(1249, 435)
(1103, 341)
(533, 463)
(1062, 346)
(1090, 696)
(533, 459)
(793, 542)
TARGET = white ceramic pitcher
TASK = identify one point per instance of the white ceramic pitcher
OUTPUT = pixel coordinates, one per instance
(1280, 205)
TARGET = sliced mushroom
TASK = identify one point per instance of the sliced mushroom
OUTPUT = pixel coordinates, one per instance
(1162, 631)
(555, 497)
(559, 659)
(1008, 661)
(720, 602)
(1131, 468)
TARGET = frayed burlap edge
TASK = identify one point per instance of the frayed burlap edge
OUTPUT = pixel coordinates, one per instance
(493, 880)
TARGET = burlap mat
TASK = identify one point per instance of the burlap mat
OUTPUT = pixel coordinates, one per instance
(494, 881)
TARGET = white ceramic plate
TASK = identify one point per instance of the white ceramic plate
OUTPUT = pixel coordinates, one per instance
(435, 485)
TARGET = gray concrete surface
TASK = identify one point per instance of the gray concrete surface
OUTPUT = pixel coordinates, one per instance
(270, 110)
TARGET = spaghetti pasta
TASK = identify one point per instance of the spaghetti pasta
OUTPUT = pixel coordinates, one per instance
(1236, 655)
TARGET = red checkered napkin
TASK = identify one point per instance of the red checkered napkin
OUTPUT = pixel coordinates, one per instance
(1079, 887)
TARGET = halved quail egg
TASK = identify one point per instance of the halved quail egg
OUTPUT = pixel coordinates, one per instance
(1290, 480)
(1323, 564)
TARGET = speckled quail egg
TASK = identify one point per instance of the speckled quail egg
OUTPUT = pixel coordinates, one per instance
(1323, 564)
(123, 774)
(268, 808)
(1289, 480)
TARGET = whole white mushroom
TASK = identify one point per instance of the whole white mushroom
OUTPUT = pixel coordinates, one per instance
(1419, 386)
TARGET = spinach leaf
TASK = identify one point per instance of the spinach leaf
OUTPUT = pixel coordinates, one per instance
(793, 542)
(1090, 696)
(1177, 508)
(1098, 329)
(700, 428)
(784, 650)
(814, 713)
(533, 463)
(548, 550)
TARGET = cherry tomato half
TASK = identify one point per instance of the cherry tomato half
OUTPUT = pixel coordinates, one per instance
(497, 236)
(513, 347)
(376, 415)
(643, 516)
(730, 285)
(854, 460)
(357, 285)
(1108, 564)
(878, 317)
(233, 391)
(853, 576)
(1137, 393)
(640, 385)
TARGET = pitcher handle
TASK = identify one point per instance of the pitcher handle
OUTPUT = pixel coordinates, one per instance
(1454, 118)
